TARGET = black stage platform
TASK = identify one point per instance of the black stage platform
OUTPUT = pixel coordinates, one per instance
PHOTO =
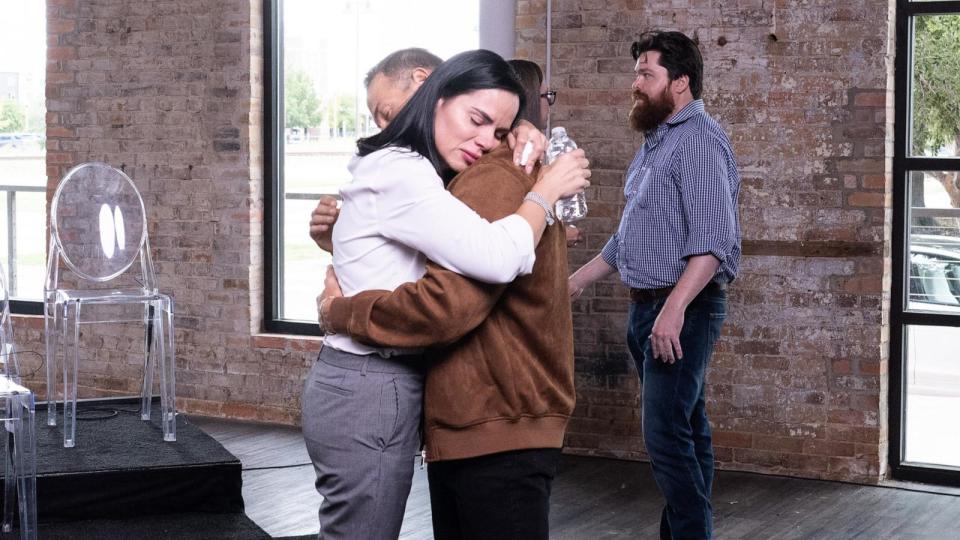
(123, 481)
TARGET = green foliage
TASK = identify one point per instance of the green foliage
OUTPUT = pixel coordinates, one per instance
(302, 107)
(936, 83)
(343, 116)
(12, 117)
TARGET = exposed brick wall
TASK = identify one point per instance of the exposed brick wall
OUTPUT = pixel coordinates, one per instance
(798, 383)
(171, 92)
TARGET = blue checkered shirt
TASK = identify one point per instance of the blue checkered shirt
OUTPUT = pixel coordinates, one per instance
(681, 200)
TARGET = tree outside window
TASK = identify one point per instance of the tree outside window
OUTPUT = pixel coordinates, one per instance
(328, 47)
(23, 172)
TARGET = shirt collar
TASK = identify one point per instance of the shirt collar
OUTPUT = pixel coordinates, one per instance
(688, 110)
(652, 138)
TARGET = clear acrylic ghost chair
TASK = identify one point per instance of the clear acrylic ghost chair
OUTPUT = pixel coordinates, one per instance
(19, 443)
(98, 231)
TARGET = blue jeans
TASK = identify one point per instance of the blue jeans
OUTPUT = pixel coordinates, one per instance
(675, 427)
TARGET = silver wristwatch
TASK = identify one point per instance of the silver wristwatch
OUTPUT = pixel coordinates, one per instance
(537, 199)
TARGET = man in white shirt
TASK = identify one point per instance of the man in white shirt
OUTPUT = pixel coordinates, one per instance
(389, 85)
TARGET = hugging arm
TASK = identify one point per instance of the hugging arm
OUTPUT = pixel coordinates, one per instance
(439, 308)
(442, 306)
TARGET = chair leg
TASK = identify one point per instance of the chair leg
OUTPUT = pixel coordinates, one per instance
(52, 326)
(70, 361)
(163, 332)
(9, 478)
(25, 464)
(150, 352)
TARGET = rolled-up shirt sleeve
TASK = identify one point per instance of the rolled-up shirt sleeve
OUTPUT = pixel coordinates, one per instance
(416, 210)
(706, 198)
(611, 250)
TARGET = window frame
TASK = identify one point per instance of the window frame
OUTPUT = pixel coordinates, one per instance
(26, 307)
(492, 35)
(17, 306)
(20, 307)
(273, 179)
(903, 165)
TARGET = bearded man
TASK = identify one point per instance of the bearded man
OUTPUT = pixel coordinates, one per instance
(677, 248)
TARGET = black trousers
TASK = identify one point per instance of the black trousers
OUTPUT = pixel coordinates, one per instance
(500, 496)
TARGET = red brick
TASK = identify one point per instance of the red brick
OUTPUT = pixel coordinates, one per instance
(841, 367)
(243, 411)
(61, 53)
(868, 199)
(870, 99)
(874, 181)
(60, 26)
(732, 439)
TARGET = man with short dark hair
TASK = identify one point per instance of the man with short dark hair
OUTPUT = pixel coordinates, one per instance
(394, 79)
(677, 246)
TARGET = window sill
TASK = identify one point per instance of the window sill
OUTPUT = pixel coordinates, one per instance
(25, 320)
(286, 342)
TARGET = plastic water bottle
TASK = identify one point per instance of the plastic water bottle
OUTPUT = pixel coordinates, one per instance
(573, 208)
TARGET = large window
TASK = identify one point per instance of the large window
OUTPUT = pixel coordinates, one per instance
(925, 306)
(317, 56)
(23, 171)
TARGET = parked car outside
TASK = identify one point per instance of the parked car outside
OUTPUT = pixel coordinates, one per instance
(933, 352)
(10, 140)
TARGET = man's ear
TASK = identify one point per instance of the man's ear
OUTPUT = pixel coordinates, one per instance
(419, 75)
(680, 84)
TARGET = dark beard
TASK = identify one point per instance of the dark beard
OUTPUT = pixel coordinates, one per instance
(647, 113)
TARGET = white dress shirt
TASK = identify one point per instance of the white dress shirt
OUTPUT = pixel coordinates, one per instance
(396, 214)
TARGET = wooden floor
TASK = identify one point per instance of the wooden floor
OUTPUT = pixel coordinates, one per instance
(597, 498)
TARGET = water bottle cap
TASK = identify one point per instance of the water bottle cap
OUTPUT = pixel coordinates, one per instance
(558, 131)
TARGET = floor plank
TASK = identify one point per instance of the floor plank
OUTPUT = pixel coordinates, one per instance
(596, 498)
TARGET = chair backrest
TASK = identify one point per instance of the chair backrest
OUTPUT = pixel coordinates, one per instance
(98, 224)
(11, 367)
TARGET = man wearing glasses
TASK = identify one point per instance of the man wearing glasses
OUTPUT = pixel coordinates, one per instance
(677, 246)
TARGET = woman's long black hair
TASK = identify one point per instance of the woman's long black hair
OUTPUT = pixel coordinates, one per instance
(463, 73)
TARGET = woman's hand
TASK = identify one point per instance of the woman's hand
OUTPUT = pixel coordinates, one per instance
(331, 290)
(322, 220)
(518, 138)
(565, 177)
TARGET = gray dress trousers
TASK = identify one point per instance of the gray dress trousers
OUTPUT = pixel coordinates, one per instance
(361, 419)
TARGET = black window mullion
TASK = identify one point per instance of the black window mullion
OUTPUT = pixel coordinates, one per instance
(26, 307)
(273, 193)
(908, 9)
(917, 318)
(931, 163)
(898, 249)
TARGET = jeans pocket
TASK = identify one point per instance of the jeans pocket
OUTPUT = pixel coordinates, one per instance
(716, 325)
